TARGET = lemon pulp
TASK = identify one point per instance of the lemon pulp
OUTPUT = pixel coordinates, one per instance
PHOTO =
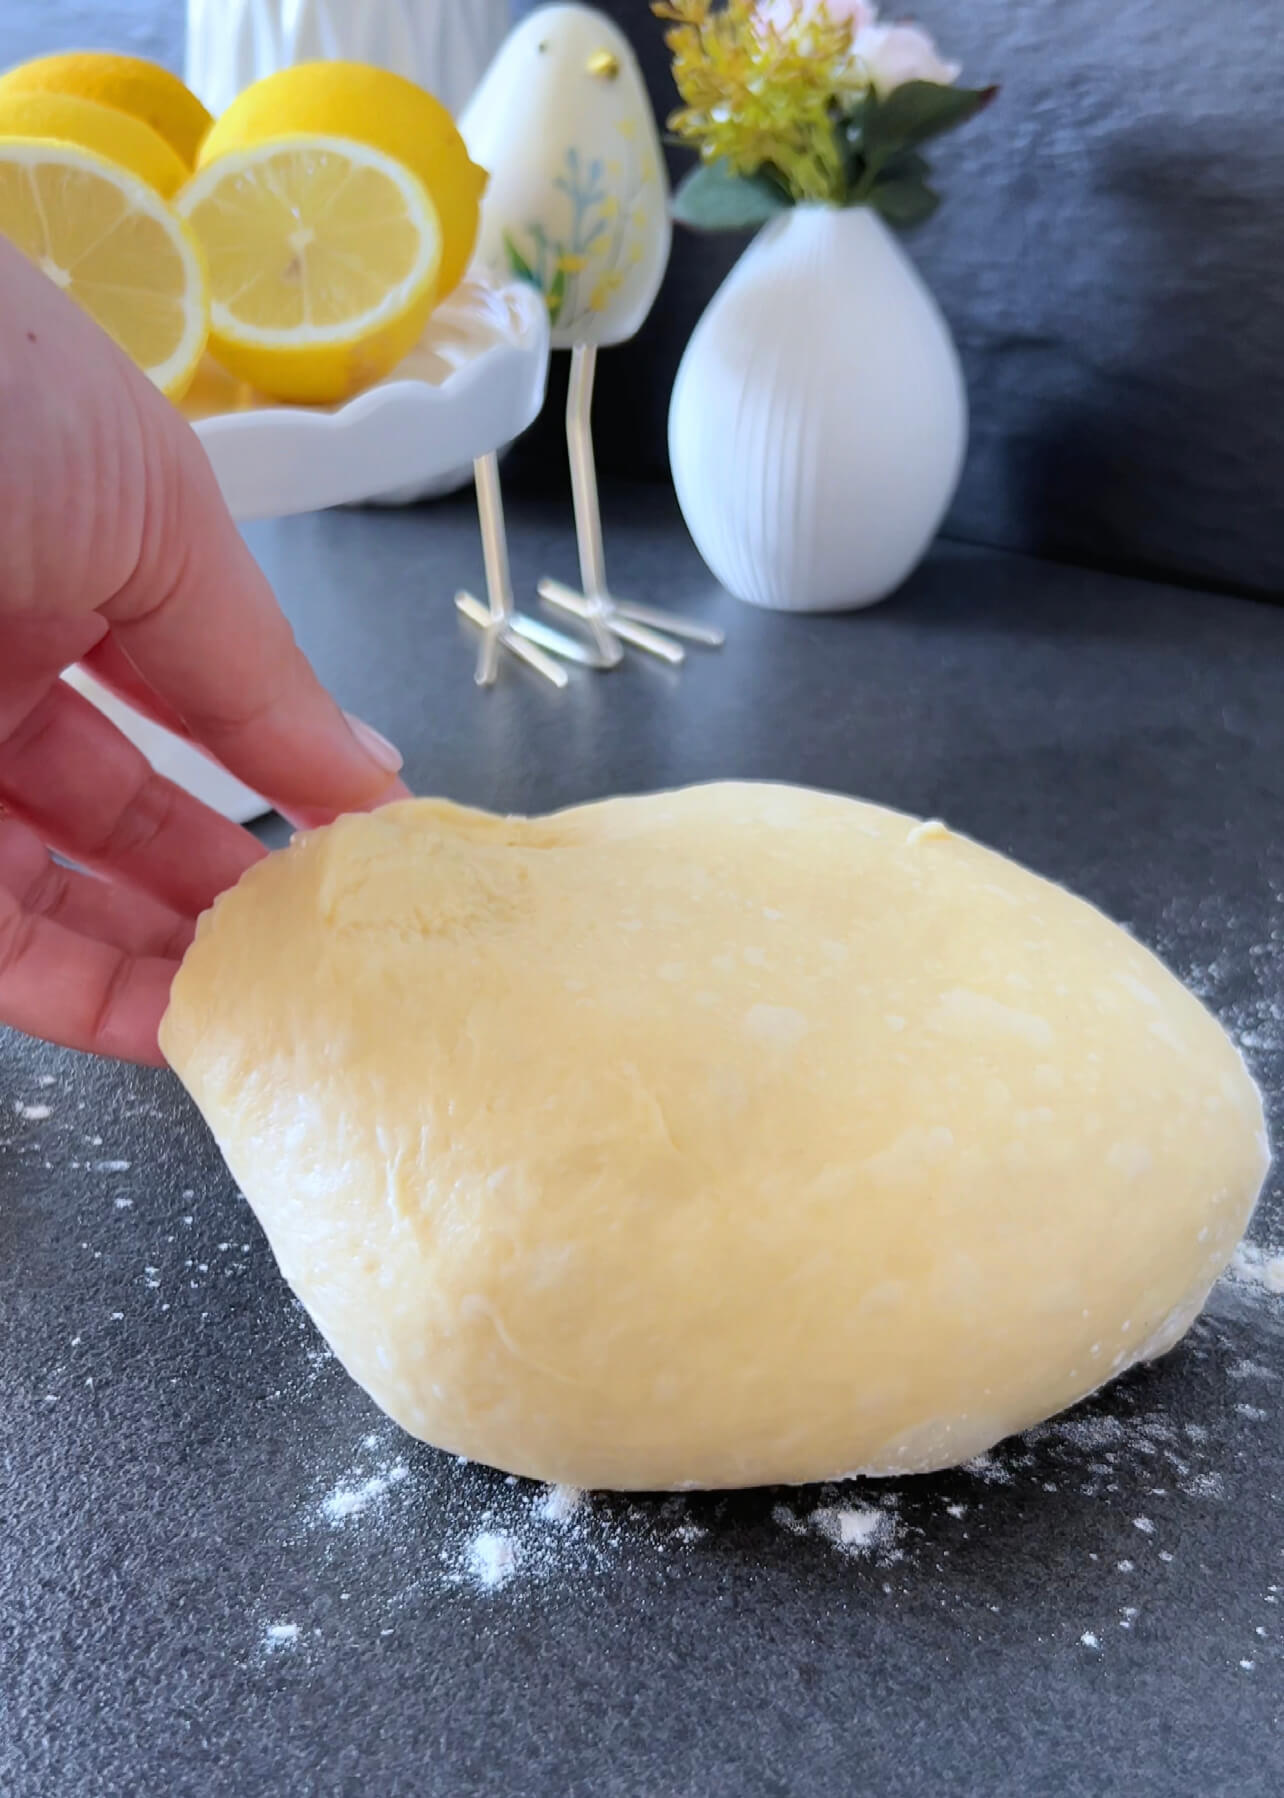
(323, 256)
(370, 106)
(108, 239)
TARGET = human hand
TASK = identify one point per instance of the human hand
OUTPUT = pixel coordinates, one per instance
(116, 552)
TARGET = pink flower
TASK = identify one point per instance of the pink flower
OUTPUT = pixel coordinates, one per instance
(861, 12)
(779, 15)
(891, 54)
(895, 54)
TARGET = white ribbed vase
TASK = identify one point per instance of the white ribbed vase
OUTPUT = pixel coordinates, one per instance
(819, 418)
(444, 45)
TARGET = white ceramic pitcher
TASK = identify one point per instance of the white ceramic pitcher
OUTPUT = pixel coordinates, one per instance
(444, 45)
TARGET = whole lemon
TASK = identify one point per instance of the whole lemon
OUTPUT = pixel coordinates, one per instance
(129, 84)
(375, 107)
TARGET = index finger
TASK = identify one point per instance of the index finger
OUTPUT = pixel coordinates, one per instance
(201, 625)
(190, 608)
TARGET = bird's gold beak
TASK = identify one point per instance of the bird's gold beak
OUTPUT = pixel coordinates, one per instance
(605, 64)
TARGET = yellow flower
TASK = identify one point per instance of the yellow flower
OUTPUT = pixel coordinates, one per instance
(610, 206)
(757, 94)
(572, 265)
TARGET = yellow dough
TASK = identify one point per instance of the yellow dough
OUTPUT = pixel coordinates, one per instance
(729, 1136)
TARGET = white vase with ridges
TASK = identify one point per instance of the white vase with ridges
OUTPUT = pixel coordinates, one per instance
(819, 419)
(444, 45)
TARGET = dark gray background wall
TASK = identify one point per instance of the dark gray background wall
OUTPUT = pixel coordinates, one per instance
(1111, 257)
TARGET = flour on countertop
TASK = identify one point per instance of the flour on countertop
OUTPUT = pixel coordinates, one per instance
(985, 1467)
(558, 1533)
(559, 1504)
(350, 1501)
(399, 1522)
(1258, 1267)
(1245, 989)
(491, 1559)
(858, 1529)
(1248, 1369)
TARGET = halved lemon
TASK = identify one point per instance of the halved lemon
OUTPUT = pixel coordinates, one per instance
(371, 106)
(121, 139)
(111, 242)
(323, 256)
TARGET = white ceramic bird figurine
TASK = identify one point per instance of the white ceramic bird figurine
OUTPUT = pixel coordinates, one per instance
(578, 205)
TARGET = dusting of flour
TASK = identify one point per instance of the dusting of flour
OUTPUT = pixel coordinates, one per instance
(858, 1529)
(347, 1501)
(1261, 1269)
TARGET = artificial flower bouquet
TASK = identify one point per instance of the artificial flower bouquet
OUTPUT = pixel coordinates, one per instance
(807, 102)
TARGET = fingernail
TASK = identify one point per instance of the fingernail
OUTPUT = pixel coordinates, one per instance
(378, 748)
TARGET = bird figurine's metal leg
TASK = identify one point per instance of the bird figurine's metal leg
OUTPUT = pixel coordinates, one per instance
(503, 627)
(610, 620)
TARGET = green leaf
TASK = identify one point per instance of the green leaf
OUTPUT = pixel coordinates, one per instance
(557, 296)
(904, 200)
(711, 198)
(918, 111)
(518, 263)
(905, 165)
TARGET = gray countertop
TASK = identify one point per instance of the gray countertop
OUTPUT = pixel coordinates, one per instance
(222, 1572)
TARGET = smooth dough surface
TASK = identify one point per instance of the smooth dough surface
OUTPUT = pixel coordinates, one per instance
(730, 1136)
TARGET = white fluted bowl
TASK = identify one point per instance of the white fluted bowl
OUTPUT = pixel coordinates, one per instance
(474, 382)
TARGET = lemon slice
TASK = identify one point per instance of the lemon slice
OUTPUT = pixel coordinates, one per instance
(129, 84)
(115, 135)
(323, 256)
(372, 106)
(111, 242)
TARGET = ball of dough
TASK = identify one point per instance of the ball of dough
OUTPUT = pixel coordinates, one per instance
(714, 1138)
